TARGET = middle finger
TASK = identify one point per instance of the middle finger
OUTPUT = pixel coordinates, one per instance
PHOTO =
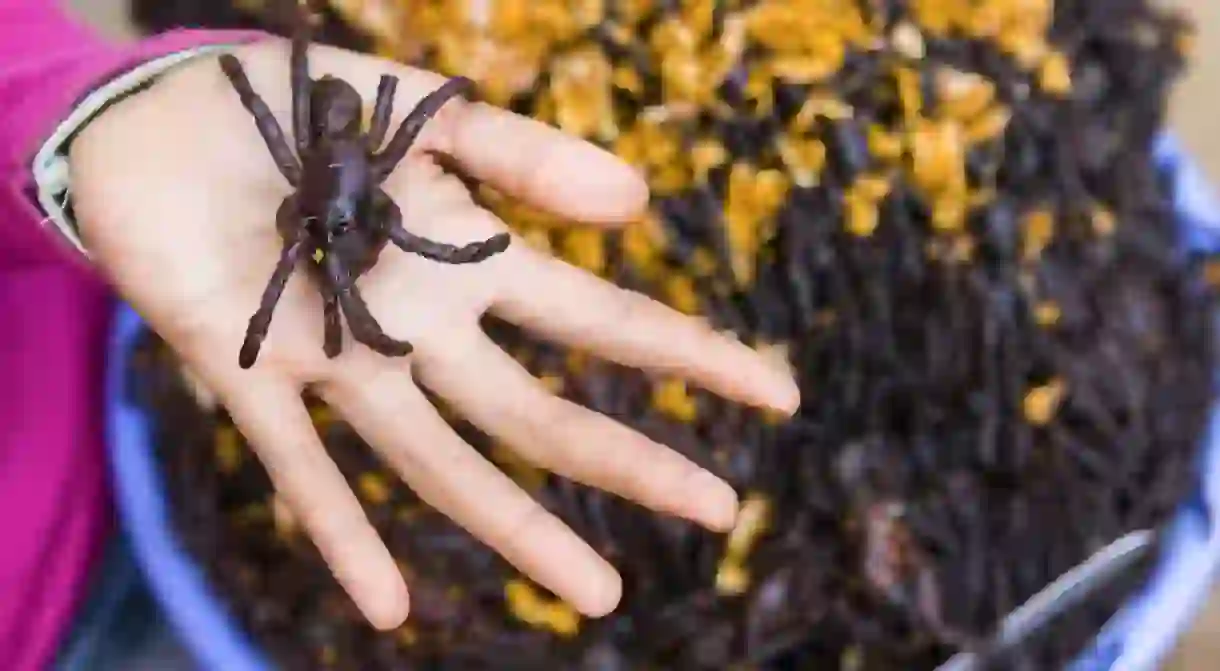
(565, 304)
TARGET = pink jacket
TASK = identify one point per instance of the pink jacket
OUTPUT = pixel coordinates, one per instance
(54, 508)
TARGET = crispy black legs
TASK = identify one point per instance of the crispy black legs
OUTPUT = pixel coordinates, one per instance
(363, 325)
(390, 218)
(268, 127)
(339, 266)
(295, 247)
(338, 286)
(339, 295)
(385, 162)
(332, 343)
(382, 110)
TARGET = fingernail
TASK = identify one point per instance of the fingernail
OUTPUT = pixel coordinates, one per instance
(603, 598)
(388, 609)
(715, 501)
(790, 398)
(784, 393)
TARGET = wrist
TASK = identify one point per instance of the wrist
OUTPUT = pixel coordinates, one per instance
(50, 166)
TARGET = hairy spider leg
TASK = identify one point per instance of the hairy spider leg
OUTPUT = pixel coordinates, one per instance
(439, 251)
(260, 323)
(268, 127)
(385, 162)
(302, 84)
(382, 110)
(364, 326)
(391, 219)
(332, 327)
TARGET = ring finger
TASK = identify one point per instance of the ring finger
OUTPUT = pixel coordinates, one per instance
(489, 388)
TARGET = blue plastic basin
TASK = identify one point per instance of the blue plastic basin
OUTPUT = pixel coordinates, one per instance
(1136, 639)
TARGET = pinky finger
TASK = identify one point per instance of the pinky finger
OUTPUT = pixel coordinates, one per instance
(273, 418)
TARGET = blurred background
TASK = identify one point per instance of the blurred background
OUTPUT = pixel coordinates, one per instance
(1194, 120)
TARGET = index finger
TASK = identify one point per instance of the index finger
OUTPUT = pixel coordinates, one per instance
(527, 159)
(544, 166)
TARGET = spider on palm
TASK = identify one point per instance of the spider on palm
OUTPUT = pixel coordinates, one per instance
(338, 217)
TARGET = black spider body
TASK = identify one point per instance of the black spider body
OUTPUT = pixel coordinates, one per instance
(336, 198)
(338, 219)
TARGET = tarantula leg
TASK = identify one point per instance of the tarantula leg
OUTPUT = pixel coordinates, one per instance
(332, 327)
(451, 254)
(268, 127)
(259, 324)
(436, 251)
(365, 328)
(362, 323)
(383, 109)
(427, 108)
(302, 84)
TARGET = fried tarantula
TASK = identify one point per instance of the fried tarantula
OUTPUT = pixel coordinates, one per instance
(338, 217)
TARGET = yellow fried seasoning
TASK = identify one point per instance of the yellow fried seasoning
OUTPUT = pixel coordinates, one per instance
(733, 576)
(579, 61)
(528, 605)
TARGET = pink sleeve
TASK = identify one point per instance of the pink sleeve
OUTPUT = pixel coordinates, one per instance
(48, 62)
(54, 508)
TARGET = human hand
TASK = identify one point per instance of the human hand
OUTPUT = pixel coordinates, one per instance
(176, 194)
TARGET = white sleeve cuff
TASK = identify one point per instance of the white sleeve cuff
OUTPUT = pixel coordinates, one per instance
(51, 175)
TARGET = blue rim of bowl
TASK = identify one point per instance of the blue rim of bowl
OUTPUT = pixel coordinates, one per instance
(1159, 612)
(1143, 632)
(178, 583)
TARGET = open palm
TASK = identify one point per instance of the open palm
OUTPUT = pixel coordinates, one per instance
(176, 197)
